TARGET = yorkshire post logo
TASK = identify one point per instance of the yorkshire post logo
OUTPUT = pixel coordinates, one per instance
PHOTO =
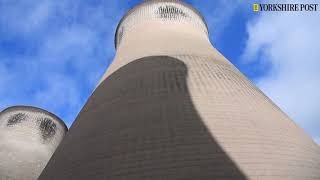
(285, 7)
(255, 7)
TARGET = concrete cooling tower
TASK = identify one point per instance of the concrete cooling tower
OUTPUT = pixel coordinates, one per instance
(171, 107)
(28, 138)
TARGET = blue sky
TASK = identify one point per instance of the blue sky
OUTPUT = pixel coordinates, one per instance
(52, 53)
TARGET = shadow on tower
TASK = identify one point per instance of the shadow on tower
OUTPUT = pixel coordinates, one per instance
(140, 123)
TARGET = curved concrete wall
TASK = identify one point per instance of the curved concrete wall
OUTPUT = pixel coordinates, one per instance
(28, 138)
(170, 106)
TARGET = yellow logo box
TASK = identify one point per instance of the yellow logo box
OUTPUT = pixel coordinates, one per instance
(255, 7)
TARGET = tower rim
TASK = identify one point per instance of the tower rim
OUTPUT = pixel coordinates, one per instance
(146, 2)
(36, 109)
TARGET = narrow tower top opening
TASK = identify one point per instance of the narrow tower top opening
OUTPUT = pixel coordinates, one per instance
(19, 114)
(173, 11)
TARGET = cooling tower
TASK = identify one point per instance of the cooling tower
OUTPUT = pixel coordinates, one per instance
(28, 138)
(170, 106)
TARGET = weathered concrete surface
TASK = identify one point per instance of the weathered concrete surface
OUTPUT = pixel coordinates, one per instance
(28, 138)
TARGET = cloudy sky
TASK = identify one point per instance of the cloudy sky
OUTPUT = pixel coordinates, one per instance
(52, 53)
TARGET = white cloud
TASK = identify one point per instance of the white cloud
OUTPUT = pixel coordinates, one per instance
(4, 74)
(289, 41)
(60, 93)
(65, 48)
(24, 16)
(218, 13)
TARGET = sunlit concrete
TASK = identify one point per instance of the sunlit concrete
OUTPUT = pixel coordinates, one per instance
(28, 138)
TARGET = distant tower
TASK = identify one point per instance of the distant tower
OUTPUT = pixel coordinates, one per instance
(171, 107)
(28, 138)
